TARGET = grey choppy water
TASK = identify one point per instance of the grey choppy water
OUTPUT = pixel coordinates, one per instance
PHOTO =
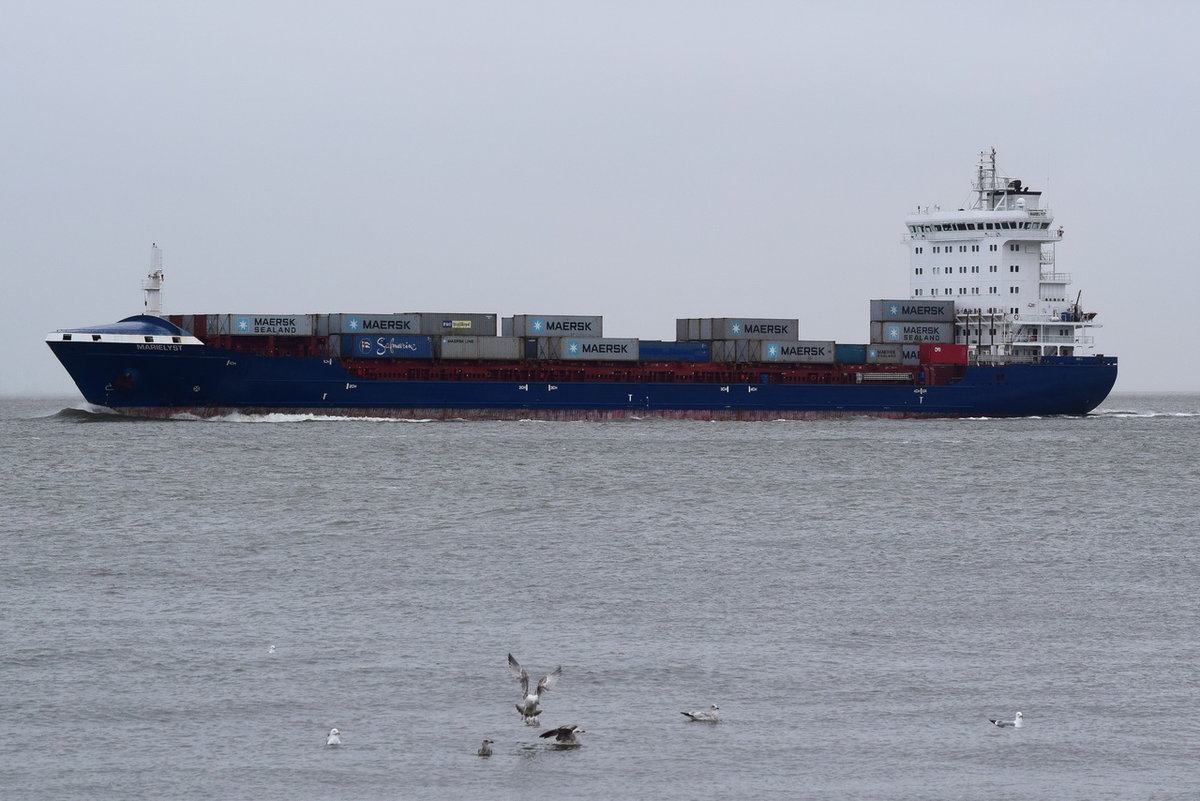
(858, 596)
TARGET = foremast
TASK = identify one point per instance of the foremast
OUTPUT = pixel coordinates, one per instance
(996, 259)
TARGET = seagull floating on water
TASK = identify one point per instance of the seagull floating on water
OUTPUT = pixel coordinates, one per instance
(528, 707)
(485, 749)
(1014, 723)
(704, 717)
(333, 738)
(565, 735)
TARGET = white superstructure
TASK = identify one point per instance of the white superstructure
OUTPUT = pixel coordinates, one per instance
(152, 286)
(996, 260)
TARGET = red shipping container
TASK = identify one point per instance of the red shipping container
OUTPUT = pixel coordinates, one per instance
(932, 353)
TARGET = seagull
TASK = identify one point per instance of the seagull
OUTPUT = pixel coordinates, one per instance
(565, 735)
(271, 650)
(333, 738)
(485, 749)
(529, 701)
(1014, 723)
(704, 717)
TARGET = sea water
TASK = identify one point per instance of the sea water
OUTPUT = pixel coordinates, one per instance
(189, 606)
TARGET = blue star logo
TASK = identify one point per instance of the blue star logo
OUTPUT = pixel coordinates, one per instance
(353, 323)
(573, 348)
(243, 323)
(893, 310)
(735, 329)
(538, 325)
(772, 351)
(892, 333)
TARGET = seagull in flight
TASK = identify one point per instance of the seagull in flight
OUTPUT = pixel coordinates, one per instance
(565, 735)
(1004, 724)
(333, 738)
(528, 707)
(704, 717)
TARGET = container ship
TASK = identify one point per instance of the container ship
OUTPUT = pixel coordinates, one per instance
(989, 329)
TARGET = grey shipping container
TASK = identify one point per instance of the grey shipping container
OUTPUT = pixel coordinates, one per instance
(802, 352)
(480, 348)
(711, 328)
(593, 349)
(555, 325)
(279, 325)
(441, 323)
(368, 324)
(885, 354)
(537, 348)
(901, 332)
(927, 311)
(911, 353)
(736, 350)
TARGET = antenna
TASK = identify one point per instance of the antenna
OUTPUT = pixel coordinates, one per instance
(152, 286)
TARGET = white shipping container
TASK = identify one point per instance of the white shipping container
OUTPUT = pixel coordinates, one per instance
(371, 324)
(711, 328)
(480, 348)
(449, 323)
(901, 332)
(556, 325)
(593, 349)
(885, 354)
(278, 325)
(926, 311)
(801, 352)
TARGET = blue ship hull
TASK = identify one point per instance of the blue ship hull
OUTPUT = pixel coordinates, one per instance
(157, 381)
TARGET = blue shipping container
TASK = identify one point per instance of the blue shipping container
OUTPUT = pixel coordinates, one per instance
(387, 346)
(659, 351)
(850, 354)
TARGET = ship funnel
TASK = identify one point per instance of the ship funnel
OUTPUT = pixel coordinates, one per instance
(152, 286)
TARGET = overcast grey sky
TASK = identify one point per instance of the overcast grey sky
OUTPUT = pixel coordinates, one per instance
(638, 160)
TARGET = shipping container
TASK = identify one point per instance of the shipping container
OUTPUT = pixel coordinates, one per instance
(555, 325)
(850, 354)
(439, 323)
(480, 348)
(188, 322)
(885, 354)
(385, 346)
(943, 354)
(368, 324)
(592, 349)
(736, 350)
(711, 328)
(911, 353)
(537, 348)
(921, 311)
(651, 350)
(278, 325)
(806, 352)
(901, 332)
